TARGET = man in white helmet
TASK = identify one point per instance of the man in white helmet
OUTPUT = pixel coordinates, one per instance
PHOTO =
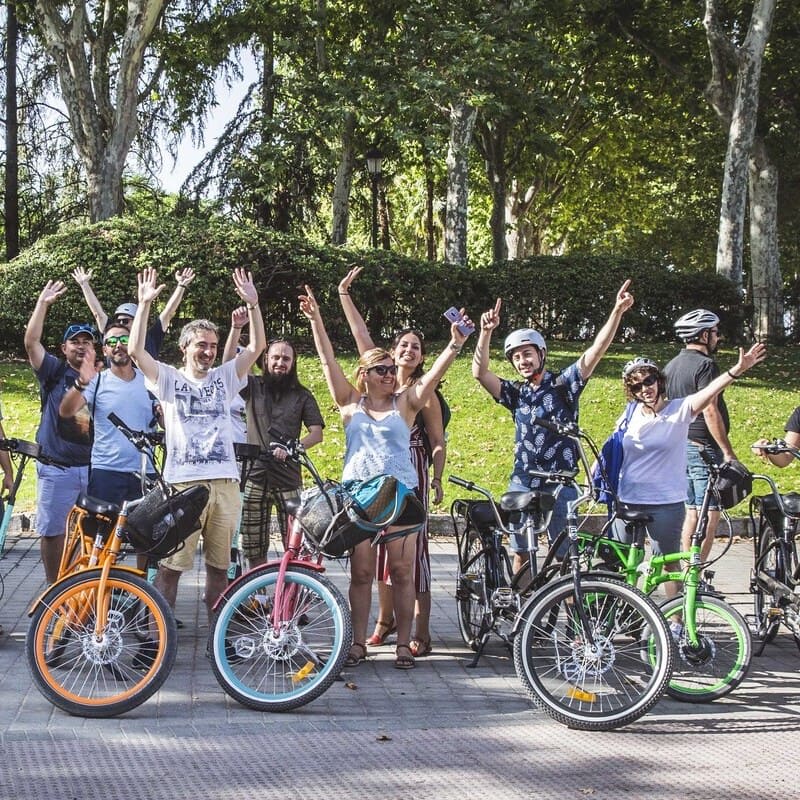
(691, 370)
(541, 393)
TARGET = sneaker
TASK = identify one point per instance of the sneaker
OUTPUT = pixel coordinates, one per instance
(677, 630)
(145, 655)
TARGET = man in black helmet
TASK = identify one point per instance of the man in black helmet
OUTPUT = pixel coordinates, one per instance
(691, 370)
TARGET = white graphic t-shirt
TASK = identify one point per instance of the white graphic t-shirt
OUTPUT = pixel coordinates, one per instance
(197, 422)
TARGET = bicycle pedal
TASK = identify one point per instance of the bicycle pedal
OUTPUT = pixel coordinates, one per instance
(504, 597)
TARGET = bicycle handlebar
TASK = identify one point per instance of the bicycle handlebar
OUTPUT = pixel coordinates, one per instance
(141, 440)
(31, 450)
(776, 446)
(561, 428)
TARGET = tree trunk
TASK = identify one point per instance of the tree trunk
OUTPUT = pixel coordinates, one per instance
(263, 211)
(462, 123)
(11, 198)
(493, 143)
(101, 106)
(767, 281)
(740, 109)
(344, 182)
(430, 196)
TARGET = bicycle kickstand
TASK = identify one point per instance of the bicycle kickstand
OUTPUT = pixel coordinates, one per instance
(479, 652)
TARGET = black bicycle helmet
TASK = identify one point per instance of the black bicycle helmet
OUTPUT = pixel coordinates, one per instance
(690, 326)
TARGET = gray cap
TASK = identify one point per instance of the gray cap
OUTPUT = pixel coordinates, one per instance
(126, 310)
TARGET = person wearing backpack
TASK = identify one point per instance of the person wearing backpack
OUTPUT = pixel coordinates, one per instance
(57, 488)
(428, 449)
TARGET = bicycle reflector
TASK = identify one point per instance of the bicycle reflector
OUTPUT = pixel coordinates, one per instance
(733, 483)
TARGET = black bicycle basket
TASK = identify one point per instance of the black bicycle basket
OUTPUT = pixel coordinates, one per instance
(733, 484)
(160, 524)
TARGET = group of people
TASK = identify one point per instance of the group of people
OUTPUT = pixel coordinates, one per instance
(393, 424)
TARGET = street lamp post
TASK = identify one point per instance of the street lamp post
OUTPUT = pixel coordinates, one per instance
(374, 159)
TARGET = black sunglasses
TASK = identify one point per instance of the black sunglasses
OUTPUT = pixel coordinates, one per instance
(648, 381)
(383, 370)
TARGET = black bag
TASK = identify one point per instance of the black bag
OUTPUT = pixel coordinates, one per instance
(159, 525)
(733, 484)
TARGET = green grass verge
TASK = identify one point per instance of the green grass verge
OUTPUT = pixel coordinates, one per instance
(480, 433)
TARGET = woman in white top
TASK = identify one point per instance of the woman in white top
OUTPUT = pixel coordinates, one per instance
(377, 421)
(653, 473)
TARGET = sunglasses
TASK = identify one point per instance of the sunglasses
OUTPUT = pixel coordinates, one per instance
(384, 370)
(126, 321)
(648, 381)
(113, 341)
(74, 330)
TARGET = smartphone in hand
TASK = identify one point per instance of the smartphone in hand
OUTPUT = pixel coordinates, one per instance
(454, 315)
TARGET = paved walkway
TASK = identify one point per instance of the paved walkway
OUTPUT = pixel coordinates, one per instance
(441, 730)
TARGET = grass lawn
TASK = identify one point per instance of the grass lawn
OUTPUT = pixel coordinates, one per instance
(480, 433)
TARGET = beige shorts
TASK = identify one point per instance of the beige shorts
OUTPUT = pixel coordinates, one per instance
(217, 525)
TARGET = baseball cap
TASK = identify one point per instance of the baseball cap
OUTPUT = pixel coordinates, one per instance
(126, 310)
(78, 328)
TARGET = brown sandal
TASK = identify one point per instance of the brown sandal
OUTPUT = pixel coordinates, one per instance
(355, 657)
(403, 662)
(420, 647)
(388, 629)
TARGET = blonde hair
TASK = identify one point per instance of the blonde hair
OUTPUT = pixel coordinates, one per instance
(369, 358)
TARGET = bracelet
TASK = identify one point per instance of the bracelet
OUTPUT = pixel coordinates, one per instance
(79, 385)
(182, 285)
(237, 327)
(344, 294)
(252, 306)
(456, 348)
(733, 376)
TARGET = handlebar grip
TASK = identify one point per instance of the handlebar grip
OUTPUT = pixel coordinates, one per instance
(460, 482)
(115, 420)
(547, 423)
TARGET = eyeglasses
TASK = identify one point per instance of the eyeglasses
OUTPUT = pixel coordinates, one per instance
(383, 370)
(126, 321)
(648, 381)
(113, 341)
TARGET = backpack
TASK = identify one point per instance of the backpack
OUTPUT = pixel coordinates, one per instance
(78, 429)
(605, 473)
(446, 414)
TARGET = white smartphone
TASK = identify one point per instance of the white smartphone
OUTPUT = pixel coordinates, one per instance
(454, 315)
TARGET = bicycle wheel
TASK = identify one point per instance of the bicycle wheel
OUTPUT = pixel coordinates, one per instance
(278, 667)
(472, 591)
(99, 677)
(721, 659)
(599, 686)
(770, 560)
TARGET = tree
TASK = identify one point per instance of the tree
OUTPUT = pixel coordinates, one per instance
(11, 198)
(99, 49)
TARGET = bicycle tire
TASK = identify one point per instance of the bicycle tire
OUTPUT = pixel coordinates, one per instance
(588, 691)
(99, 679)
(472, 590)
(769, 559)
(722, 658)
(279, 669)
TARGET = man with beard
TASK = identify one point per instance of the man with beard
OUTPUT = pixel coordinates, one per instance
(119, 389)
(56, 488)
(277, 406)
(692, 369)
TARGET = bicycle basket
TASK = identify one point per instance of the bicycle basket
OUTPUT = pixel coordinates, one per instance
(733, 484)
(323, 515)
(160, 524)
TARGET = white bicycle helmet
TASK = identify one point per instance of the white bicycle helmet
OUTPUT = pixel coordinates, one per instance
(639, 363)
(521, 337)
(690, 326)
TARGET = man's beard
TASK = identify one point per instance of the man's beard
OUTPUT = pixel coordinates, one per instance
(277, 383)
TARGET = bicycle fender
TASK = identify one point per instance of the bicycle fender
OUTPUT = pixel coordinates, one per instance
(40, 598)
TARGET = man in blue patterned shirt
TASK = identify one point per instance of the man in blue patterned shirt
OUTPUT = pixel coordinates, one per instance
(541, 393)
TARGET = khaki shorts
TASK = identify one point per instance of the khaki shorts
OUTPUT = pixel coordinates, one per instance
(217, 525)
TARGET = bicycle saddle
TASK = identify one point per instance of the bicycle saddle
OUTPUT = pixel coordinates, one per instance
(630, 515)
(293, 506)
(523, 501)
(791, 502)
(95, 506)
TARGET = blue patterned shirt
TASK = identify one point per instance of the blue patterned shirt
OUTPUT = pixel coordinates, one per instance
(555, 398)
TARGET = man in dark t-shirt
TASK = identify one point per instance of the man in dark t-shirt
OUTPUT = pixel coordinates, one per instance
(692, 369)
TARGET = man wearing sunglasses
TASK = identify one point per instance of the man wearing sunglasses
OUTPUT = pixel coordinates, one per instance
(56, 489)
(691, 370)
(115, 462)
(124, 314)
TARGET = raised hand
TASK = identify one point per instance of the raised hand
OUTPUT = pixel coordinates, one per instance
(624, 298)
(756, 354)
(344, 283)
(245, 288)
(491, 319)
(308, 304)
(239, 317)
(82, 276)
(184, 276)
(52, 291)
(148, 286)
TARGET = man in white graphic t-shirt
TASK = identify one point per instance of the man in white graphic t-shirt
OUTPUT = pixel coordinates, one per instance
(196, 401)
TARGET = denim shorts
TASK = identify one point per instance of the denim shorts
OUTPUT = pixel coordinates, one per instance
(518, 541)
(56, 492)
(697, 476)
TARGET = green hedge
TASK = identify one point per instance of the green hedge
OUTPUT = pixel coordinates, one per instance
(565, 297)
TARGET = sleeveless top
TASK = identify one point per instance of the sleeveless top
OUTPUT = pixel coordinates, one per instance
(377, 447)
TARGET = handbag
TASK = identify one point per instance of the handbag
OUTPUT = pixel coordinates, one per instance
(605, 473)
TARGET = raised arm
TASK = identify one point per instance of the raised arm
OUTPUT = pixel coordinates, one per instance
(73, 400)
(342, 391)
(480, 359)
(756, 354)
(35, 327)
(245, 288)
(184, 278)
(591, 358)
(83, 278)
(148, 290)
(354, 319)
(239, 317)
